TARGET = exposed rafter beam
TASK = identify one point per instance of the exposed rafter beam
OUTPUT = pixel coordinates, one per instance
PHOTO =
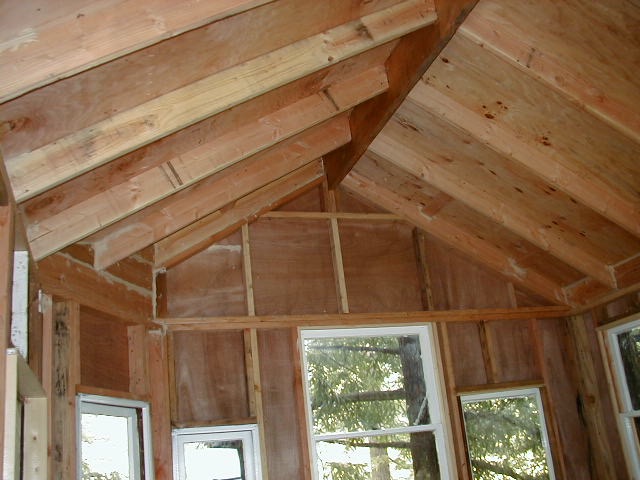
(34, 172)
(406, 64)
(457, 237)
(402, 147)
(187, 206)
(87, 217)
(499, 28)
(62, 275)
(199, 235)
(83, 39)
(586, 187)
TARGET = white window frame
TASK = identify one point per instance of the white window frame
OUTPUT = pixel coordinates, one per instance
(625, 414)
(127, 408)
(515, 393)
(437, 408)
(248, 434)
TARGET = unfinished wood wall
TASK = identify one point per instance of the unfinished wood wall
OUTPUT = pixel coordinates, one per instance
(289, 263)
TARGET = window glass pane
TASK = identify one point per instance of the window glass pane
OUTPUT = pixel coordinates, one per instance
(379, 457)
(504, 436)
(214, 460)
(366, 383)
(105, 447)
(629, 343)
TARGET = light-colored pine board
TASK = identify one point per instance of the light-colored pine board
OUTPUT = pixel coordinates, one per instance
(446, 230)
(594, 192)
(80, 220)
(184, 243)
(367, 217)
(349, 319)
(207, 132)
(408, 61)
(32, 173)
(573, 47)
(60, 43)
(247, 270)
(546, 122)
(488, 183)
(187, 206)
(338, 266)
(50, 113)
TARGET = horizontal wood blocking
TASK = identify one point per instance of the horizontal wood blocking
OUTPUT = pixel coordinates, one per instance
(497, 387)
(60, 47)
(34, 172)
(63, 276)
(368, 217)
(50, 234)
(199, 235)
(361, 319)
(190, 205)
(214, 423)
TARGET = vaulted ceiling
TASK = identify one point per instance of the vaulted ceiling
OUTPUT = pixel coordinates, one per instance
(130, 126)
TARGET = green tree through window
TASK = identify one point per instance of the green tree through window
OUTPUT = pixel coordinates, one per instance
(506, 436)
(370, 407)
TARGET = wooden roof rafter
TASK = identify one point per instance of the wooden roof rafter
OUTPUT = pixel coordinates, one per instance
(53, 232)
(36, 171)
(187, 206)
(404, 147)
(450, 232)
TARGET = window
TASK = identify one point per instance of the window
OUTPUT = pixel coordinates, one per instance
(114, 439)
(217, 453)
(373, 402)
(506, 435)
(624, 347)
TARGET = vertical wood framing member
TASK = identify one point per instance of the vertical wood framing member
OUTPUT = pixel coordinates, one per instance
(248, 274)
(441, 339)
(603, 463)
(336, 251)
(252, 359)
(256, 388)
(553, 430)
(46, 305)
(138, 377)
(66, 375)
(159, 392)
(6, 269)
(301, 404)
